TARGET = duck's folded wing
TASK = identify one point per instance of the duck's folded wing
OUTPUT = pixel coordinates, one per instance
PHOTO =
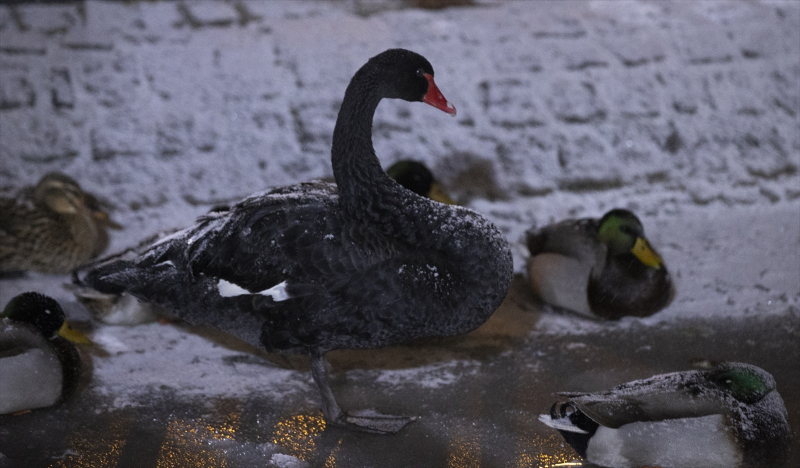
(668, 396)
(574, 238)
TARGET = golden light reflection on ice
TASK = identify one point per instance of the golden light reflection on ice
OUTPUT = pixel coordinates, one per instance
(187, 442)
(550, 451)
(231, 422)
(465, 452)
(547, 452)
(330, 462)
(297, 433)
(100, 452)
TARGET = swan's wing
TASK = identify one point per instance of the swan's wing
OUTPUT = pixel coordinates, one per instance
(667, 396)
(251, 244)
(265, 239)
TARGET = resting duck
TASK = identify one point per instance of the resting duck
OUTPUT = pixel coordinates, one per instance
(52, 228)
(728, 417)
(38, 365)
(604, 268)
(315, 267)
(416, 177)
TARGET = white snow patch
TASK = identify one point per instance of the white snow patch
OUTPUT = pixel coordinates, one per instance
(281, 460)
(431, 376)
(575, 345)
(107, 339)
(149, 358)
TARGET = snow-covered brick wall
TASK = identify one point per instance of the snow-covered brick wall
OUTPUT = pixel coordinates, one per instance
(166, 108)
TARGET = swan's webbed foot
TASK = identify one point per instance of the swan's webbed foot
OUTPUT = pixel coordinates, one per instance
(365, 421)
(375, 423)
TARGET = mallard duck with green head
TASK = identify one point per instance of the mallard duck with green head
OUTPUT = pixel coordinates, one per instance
(599, 267)
(39, 365)
(728, 417)
(52, 227)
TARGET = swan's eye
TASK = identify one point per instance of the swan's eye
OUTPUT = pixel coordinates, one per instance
(420, 72)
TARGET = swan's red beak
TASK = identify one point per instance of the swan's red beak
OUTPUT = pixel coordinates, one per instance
(435, 98)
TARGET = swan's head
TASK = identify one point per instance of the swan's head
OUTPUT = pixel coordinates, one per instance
(409, 76)
(622, 232)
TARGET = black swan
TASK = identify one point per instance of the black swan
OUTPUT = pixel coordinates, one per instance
(315, 267)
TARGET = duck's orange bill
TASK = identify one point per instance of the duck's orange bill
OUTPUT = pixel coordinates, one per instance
(435, 98)
(72, 335)
(646, 254)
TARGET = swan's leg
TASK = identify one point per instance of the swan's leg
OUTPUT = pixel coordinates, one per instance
(330, 408)
(376, 423)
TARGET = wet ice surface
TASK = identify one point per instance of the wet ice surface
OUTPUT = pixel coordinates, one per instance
(685, 113)
(477, 397)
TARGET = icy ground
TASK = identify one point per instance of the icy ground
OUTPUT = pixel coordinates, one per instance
(685, 112)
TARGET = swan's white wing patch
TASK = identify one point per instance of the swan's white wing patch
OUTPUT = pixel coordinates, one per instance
(228, 289)
(277, 293)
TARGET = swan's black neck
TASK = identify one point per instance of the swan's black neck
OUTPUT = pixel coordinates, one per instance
(365, 191)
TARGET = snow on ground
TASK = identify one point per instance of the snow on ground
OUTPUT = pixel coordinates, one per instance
(153, 357)
(685, 112)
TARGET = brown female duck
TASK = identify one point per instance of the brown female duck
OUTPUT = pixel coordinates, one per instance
(52, 227)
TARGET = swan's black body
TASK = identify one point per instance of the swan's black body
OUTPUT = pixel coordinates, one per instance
(364, 263)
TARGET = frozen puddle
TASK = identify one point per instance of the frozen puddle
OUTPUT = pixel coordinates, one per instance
(157, 357)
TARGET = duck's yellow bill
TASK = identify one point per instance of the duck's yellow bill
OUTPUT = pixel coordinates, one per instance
(105, 220)
(73, 335)
(437, 194)
(646, 254)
